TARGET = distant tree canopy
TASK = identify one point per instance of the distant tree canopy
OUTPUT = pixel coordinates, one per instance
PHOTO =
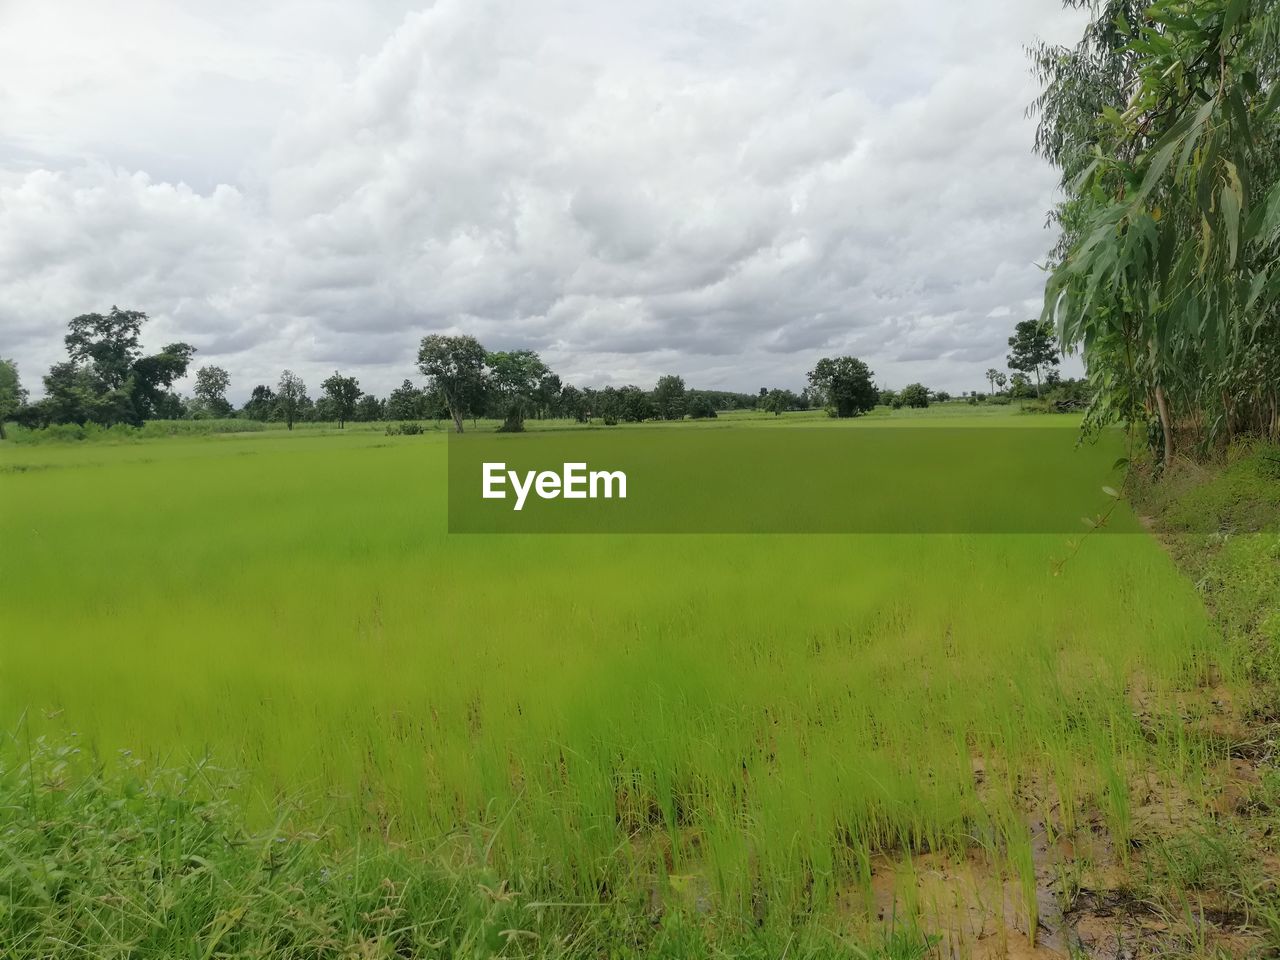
(260, 403)
(291, 398)
(669, 398)
(12, 394)
(211, 391)
(512, 380)
(106, 378)
(342, 394)
(914, 395)
(1164, 123)
(454, 366)
(845, 386)
(1034, 349)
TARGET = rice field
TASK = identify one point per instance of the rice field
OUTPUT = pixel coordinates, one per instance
(755, 726)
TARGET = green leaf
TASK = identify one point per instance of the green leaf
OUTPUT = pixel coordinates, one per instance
(1229, 200)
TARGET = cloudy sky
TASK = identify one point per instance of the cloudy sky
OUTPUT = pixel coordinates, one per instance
(725, 190)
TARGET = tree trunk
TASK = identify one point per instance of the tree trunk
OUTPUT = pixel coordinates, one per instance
(457, 421)
(1166, 425)
(1037, 383)
(2, 434)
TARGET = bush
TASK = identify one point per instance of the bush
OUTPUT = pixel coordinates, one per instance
(408, 429)
(150, 430)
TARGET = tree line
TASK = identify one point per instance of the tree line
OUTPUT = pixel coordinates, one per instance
(107, 379)
(1164, 121)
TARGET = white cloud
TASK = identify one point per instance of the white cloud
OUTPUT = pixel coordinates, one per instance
(726, 191)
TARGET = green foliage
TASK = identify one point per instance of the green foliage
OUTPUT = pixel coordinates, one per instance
(914, 395)
(1164, 124)
(368, 409)
(406, 429)
(211, 392)
(512, 382)
(455, 369)
(573, 404)
(1033, 349)
(778, 402)
(669, 398)
(406, 402)
(117, 432)
(12, 394)
(107, 379)
(260, 403)
(291, 399)
(700, 406)
(343, 393)
(844, 385)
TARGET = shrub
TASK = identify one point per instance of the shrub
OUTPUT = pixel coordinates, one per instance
(407, 429)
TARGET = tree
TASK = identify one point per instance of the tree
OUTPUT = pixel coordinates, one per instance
(343, 393)
(992, 374)
(513, 379)
(12, 395)
(547, 395)
(211, 390)
(778, 402)
(260, 402)
(368, 409)
(1020, 386)
(669, 398)
(406, 402)
(455, 369)
(125, 385)
(1034, 348)
(914, 395)
(634, 404)
(1001, 380)
(845, 385)
(291, 398)
(888, 398)
(699, 406)
(941, 396)
(573, 403)
(1163, 122)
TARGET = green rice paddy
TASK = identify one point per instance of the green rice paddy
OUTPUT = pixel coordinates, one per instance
(751, 723)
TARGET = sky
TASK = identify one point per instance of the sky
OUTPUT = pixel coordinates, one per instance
(723, 190)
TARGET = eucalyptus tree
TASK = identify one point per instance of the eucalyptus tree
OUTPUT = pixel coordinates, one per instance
(1163, 122)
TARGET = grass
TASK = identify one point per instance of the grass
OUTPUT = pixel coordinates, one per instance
(715, 742)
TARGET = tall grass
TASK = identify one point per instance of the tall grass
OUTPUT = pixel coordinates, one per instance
(741, 724)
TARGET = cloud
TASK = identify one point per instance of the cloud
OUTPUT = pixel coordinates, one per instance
(726, 191)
